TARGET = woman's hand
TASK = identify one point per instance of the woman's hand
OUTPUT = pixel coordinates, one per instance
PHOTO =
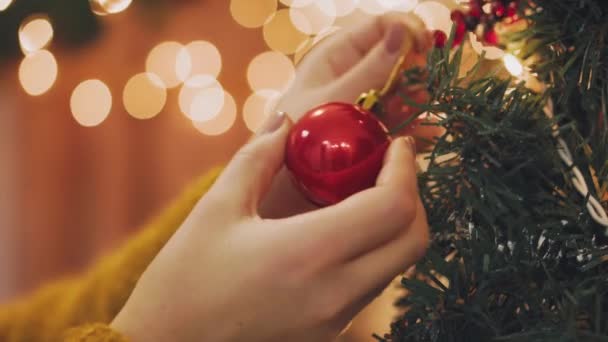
(230, 275)
(341, 68)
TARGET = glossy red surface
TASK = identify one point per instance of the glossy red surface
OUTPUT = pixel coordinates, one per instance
(336, 150)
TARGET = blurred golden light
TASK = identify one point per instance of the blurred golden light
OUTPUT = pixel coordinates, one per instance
(373, 7)
(271, 70)
(513, 65)
(162, 61)
(252, 14)
(341, 7)
(491, 52)
(35, 33)
(199, 58)
(38, 72)
(201, 98)
(298, 3)
(144, 96)
(105, 7)
(222, 121)
(312, 19)
(91, 103)
(281, 35)
(406, 6)
(258, 106)
(4, 4)
(436, 16)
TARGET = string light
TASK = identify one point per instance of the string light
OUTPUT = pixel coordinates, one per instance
(252, 14)
(35, 33)
(4, 4)
(513, 65)
(222, 122)
(105, 7)
(91, 103)
(38, 72)
(144, 96)
(198, 58)
(258, 106)
(162, 61)
(281, 35)
(271, 70)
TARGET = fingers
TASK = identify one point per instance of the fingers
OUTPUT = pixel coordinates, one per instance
(250, 172)
(380, 266)
(376, 61)
(368, 219)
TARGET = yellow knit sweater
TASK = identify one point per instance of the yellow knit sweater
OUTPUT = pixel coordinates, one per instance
(80, 308)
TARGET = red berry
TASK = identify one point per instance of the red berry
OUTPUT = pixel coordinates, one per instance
(490, 36)
(461, 27)
(336, 150)
(512, 10)
(440, 38)
(475, 9)
(498, 9)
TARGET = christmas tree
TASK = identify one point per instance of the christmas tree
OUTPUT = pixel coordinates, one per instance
(515, 187)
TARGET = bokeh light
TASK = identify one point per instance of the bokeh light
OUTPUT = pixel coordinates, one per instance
(271, 70)
(198, 58)
(373, 7)
(258, 106)
(513, 65)
(298, 3)
(144, 96)
(162, 61)
(312, 19)
(251, 14)
(105, 7)
(342, 7)
(406, 6)
(223, 121)
(491, 52)
(435, 15)
(281, 35)
(35, 33)
(38, 72)
(4, 4)
(91, 103)
(201, 98)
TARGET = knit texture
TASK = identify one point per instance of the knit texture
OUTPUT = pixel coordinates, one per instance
(80, 308)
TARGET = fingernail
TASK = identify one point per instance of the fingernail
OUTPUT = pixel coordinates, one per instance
(412, 143)
(394, 38)
(272, 123)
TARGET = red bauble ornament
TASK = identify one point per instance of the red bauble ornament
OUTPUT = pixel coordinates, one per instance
(440, 38)
(336, 150)
(475, 9)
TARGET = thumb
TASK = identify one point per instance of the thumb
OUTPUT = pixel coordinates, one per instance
(250, 172)
(375, 68)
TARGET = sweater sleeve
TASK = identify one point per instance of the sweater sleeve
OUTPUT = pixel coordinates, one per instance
(79, 308)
